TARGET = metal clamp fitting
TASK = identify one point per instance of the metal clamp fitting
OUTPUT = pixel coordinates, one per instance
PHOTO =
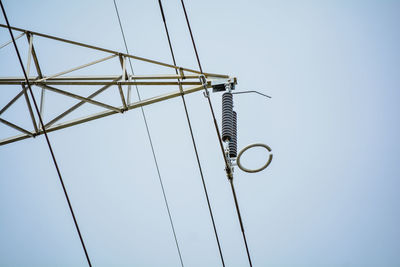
(203, 81)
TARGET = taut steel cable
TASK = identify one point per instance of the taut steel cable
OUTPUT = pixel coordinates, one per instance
(227, 166)
(192, 136)
(151, 145)
(47, 138)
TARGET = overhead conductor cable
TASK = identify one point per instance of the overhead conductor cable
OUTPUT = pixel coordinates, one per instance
(226, 160)
(192, 136)
(47, 138)
(151, 145)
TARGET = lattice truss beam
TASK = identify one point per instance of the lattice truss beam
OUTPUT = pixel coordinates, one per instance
(188, 81)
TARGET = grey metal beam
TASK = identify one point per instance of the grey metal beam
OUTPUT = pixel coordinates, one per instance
(128, 93)
(107, 113)
(9, 42)
(113, 52)
(121, 93)
(103, 83)
(74, 107)
(28, 65)
(77, 68)
(104, 77)
(16, 127)
(13, 139)
(41, 105)
(123, 66)
(11, 102)
(28, 103)
(34, 56)
(81, 98)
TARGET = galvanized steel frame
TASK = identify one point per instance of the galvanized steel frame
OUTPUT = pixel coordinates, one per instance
(194, 80)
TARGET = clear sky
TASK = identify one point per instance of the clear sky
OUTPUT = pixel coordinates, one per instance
(330, 196)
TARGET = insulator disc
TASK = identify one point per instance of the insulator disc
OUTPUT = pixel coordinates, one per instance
(227, 116)
(233, 142)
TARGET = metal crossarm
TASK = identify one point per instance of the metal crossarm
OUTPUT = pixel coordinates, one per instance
(62, 83)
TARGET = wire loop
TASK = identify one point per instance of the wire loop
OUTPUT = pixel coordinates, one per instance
(248, 147)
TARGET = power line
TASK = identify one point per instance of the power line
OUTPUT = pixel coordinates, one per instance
(206, 93)
(47, 138)
(227, 166)
(192, 135)
(240, 221)
(151, 143)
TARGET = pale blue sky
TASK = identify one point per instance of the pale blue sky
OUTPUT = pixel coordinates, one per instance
(330, 196)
